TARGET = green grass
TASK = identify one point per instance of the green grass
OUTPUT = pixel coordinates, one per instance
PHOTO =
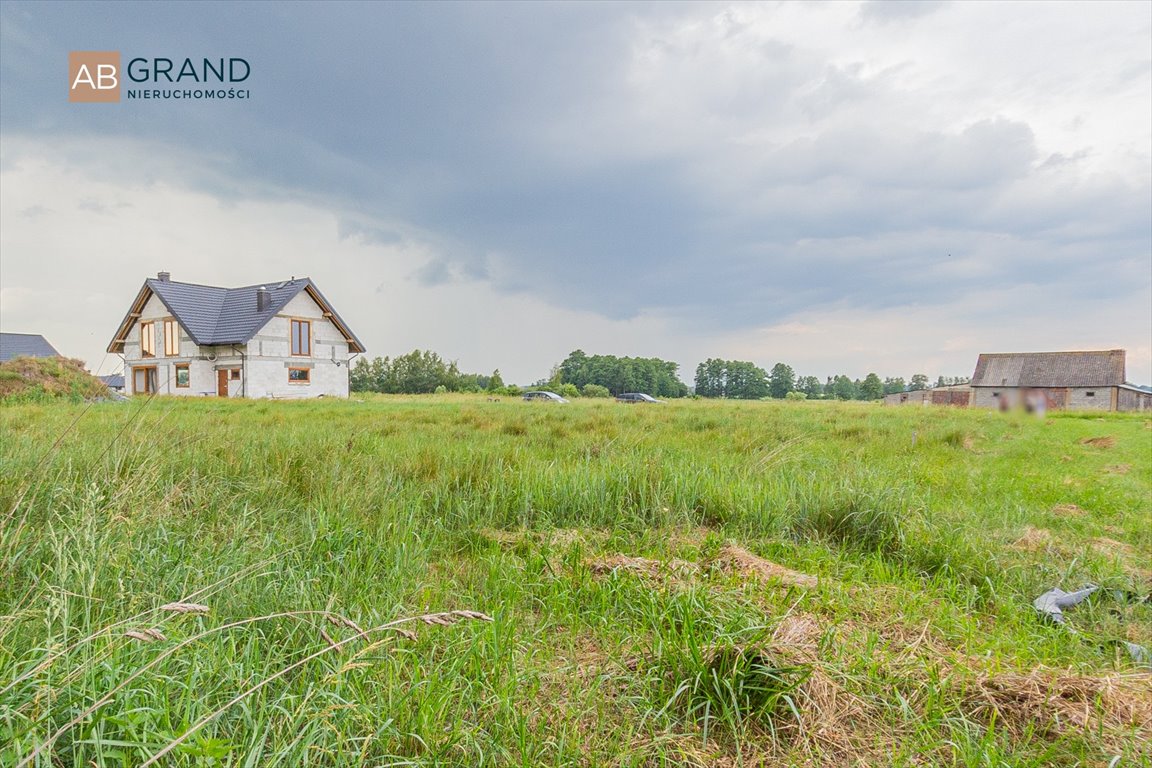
(931, 531)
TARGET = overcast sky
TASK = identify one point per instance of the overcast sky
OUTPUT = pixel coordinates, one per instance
(845, 187)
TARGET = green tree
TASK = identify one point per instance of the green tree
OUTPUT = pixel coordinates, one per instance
(843, 388)
(918, 382)
(894, 385)
(495, 382)
(810, 386)
(781, 381)
(620, 374)
(871, 388)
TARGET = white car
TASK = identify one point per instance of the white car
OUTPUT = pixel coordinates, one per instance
(547, 397)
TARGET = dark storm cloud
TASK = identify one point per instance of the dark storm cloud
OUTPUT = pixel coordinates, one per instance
(512, 136)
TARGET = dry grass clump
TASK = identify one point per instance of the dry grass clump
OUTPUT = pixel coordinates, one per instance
(735, 558)
(1068, 510)
(1117, 469)
(1106, 441)
(1061, 703)
(1033, 540)
(643, 566)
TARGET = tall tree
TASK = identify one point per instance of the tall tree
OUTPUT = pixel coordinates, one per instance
(918, 382)
(871, 388)
(781, 381)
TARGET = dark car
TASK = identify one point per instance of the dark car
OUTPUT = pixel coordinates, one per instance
(636, 397)
(545, 397)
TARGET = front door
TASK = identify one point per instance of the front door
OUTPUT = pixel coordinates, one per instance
(222, 383)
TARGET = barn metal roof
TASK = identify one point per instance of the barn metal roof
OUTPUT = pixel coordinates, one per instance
(213, 316)
(1103, 368)
(25, 345)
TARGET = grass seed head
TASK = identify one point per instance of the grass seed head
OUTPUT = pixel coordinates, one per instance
(184, 608)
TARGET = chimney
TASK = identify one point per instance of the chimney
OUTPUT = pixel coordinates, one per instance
(263, 298)
(164, 277)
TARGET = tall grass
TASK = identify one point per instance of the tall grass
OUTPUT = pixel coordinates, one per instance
(396, 507)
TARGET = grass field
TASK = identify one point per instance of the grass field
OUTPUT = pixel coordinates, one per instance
(695, 584)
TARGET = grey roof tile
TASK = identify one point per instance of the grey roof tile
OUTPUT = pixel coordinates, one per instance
(25, 345)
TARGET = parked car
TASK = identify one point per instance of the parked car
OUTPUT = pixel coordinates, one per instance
(636, 397)
(544, 397)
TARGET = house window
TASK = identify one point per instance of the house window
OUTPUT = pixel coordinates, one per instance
(147, 339)
(144, 380)
(995, 394)
(183, 376)
(299, 375)
(234, 374)
(301, 338)
(171, 338)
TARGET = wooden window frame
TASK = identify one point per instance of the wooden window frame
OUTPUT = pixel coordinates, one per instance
(147, 379)
(307, 376)
(171, 334)
(176, 376)
(292, 336)
(148, 339)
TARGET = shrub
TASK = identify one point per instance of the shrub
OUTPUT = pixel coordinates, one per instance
(568, 390)
(440, 390)
(595, 390)
(796, 395)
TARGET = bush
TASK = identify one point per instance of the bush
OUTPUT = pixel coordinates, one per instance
(511, 390)
(595, 390)
(796, 395)
(440, 390)
(568, 390)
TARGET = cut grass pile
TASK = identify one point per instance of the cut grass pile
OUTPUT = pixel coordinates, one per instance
(712, 584)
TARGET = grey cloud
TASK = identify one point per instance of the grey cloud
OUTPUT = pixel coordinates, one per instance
(515, 140)
(886, 11)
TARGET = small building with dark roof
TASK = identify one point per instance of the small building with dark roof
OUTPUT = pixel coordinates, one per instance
(1092, 380)
(279, 339)
(25, 345)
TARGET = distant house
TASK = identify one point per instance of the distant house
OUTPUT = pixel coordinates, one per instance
(114, 381)
(281, 339)
(25, 345)
(959, 395)
(1068, 380)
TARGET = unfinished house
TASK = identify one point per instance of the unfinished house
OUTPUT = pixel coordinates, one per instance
(1068, 380)
(280, 340)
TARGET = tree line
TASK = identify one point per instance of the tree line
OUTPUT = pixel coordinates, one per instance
(581, 374)
(742, 380)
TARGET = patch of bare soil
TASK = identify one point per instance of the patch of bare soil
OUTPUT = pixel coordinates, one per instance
(739, 560)
(1107, 441)
(1033, 540)
(1117, 469)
